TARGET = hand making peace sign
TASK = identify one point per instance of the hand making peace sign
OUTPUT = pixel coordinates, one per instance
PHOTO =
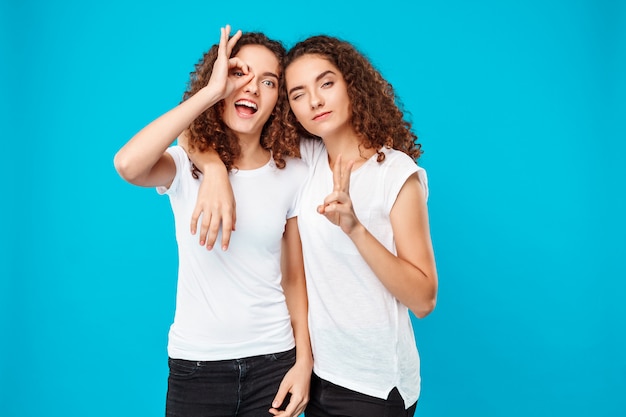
(337, 205)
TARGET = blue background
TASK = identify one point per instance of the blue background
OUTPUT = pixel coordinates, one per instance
(519, 107)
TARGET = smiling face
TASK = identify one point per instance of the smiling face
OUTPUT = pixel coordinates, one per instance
(247, 110)
(318, 96)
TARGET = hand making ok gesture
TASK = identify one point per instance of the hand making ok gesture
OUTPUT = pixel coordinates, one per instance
(337, 205)
(228, 74)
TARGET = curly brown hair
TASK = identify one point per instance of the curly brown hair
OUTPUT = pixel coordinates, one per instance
(377, 114)
(209, 130)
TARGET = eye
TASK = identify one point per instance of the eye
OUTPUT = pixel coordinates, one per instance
(327, 84)
(296, 96)
(269, 83)
(237, 73)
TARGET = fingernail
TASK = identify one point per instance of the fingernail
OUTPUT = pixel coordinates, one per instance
(202, 243)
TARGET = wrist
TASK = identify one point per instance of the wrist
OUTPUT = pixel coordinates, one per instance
(213, 166)
(358, 232)
(304, 356)
(210, 96)
(305, 362)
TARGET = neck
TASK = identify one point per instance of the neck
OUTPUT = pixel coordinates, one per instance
(349, 147)
(253, 155)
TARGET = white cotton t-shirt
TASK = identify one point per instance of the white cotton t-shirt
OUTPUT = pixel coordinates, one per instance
(361, 335)
(230, 304)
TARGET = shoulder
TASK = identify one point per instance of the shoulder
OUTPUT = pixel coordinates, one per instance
(295, 167)
(401, 166)
(311, 149)
(295, 163)
(396, 157)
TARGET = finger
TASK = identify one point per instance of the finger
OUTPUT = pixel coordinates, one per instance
(214, 229)
(334, 197)
(232, 41)
(235, 62)
(204, 227)
(330, 208)
(345, 176)
(223, 45)
(279, 399)
(194, 219)
(278, 413)
(337, 174)
(292, 407)
(227, 228)
(242, 81)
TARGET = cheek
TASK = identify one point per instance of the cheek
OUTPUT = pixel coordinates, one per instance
(272, 97)
(296, 109)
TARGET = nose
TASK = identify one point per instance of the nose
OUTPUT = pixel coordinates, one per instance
(316, 101)
(252, 87)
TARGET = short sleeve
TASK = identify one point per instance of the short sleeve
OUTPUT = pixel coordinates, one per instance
(423, 177)
(181, 161)
(298, 177)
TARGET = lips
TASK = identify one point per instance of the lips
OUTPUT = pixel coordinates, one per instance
(246, 108)
(321, 116)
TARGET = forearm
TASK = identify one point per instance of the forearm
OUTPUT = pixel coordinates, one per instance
(136, 158)
(296, 297)
(413, 286)
(294, 287)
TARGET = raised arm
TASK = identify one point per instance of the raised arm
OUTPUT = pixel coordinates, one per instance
(297, 381)
(411, 276)
(142, 160)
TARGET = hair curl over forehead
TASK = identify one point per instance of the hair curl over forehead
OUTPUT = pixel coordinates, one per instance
(377, 116)
(209, 130)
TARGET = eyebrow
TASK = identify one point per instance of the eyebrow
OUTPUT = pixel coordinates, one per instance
(270, 74)
(319, 77)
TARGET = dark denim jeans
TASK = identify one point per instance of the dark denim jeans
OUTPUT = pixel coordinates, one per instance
(330, 400)
(239, 387)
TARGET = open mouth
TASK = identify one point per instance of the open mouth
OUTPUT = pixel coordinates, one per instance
(246, 107)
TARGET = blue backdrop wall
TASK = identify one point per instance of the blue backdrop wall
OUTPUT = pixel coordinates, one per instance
(519, 107)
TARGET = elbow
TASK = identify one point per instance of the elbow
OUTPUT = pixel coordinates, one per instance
(424, 308)
(124, 168)
(426, 303)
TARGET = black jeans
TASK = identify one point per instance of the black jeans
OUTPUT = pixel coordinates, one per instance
(330, 400)
(239, 387)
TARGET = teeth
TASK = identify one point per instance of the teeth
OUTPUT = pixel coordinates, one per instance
(246, 103)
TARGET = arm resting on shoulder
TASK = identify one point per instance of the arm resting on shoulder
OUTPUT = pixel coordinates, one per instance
(215, 201)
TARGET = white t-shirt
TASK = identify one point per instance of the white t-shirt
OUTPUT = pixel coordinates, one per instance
(230, 304)
(361, 335)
